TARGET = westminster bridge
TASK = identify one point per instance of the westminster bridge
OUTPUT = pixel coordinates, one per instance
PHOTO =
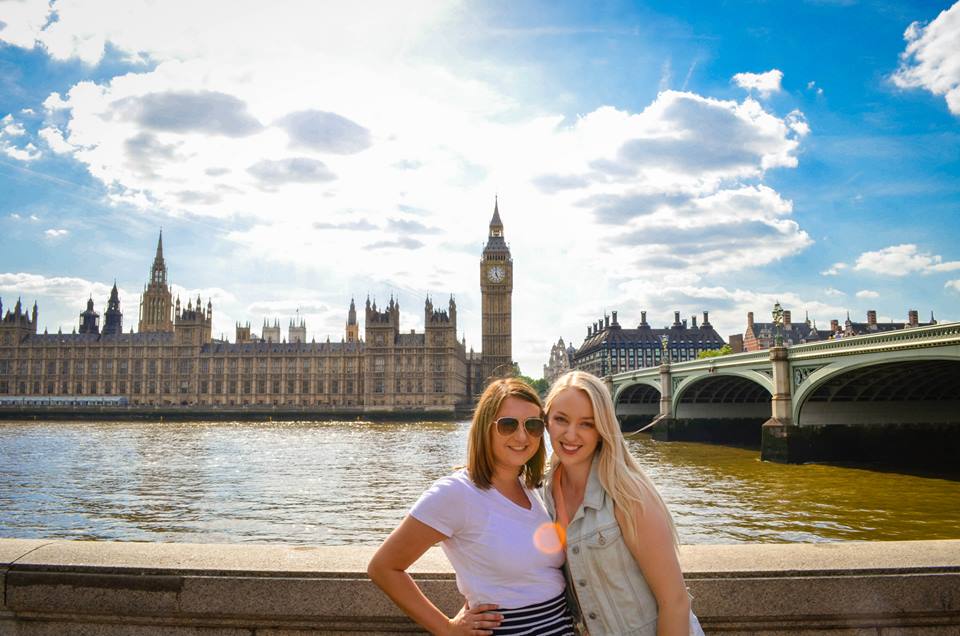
(892, 397)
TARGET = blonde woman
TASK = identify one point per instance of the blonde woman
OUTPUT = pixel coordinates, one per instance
(492, 527)
(620, 539)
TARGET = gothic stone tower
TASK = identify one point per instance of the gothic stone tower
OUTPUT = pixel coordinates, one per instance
(113, 317)
(496, 289)
(90, 320)
(353, 329)
(156, 303)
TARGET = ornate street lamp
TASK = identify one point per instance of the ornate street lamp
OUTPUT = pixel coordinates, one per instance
(778, 324)
(664, 344)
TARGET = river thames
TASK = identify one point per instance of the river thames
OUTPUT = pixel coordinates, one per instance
(332, 483)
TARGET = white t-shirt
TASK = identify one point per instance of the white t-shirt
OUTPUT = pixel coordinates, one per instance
(501, 552)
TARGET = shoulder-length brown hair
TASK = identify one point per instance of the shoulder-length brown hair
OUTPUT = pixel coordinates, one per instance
(480, 463)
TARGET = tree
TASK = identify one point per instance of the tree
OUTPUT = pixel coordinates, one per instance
(541, 386)
(715, 353)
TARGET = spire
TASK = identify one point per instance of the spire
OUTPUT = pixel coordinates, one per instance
(158, 273)
(352, 314)
(496, 225)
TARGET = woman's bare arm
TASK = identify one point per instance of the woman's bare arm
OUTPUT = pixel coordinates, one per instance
(388, 568)
(657, 557)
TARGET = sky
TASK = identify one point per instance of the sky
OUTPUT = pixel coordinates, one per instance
(659, 156)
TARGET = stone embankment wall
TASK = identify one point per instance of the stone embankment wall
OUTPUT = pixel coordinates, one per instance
(112, 589)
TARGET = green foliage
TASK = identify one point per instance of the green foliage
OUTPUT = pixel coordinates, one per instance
(541, 386)
(715, 353)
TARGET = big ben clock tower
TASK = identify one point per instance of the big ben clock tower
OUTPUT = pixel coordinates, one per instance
(496, 290)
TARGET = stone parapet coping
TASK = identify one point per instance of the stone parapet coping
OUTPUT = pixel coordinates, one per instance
(101, 587)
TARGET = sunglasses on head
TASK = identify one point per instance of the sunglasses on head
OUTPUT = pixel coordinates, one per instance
(509, 425)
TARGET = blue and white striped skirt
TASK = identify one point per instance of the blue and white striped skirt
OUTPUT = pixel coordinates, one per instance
(550, 618)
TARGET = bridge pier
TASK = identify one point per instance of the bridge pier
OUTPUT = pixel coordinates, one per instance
(661, 425)
(781, 440)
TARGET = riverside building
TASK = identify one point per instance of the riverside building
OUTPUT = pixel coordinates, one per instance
(609, 348)
(172, 360)
(762, 335)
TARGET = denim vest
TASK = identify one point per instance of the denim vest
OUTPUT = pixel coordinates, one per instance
(614, 597)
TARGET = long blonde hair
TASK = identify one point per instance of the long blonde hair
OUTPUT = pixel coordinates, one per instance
(620, 474)
(480, 462)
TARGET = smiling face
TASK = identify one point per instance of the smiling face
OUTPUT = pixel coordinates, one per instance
(511, 452)
(570, 422)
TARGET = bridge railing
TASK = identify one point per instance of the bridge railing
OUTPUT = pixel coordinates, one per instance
(946, 333)
(933, 335)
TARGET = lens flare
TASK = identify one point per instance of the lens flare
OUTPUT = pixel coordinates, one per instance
(549, 538)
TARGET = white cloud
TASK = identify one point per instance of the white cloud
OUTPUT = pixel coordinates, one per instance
(11, 130)
(798, 123)
(26, 154)
(55, 233)
(812, 86)
(953, 284)
(900, 260)
(932, 58)
(15, 216)
(834, 269)
(54, 139)
(867, 293)
(764, 83)
(832, 291)
(11, 127)
(22, 21)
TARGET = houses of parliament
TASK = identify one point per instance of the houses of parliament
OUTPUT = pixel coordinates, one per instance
(173, 361)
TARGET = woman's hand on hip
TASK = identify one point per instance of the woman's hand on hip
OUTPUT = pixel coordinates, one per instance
(475, 621)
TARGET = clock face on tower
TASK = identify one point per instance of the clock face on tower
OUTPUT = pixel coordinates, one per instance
(496, 274)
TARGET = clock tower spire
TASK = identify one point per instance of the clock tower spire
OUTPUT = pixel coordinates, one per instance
(496, 291)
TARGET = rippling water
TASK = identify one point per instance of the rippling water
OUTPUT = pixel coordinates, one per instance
(341, 482)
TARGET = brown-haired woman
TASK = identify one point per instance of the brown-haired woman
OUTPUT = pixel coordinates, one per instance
(492, 527)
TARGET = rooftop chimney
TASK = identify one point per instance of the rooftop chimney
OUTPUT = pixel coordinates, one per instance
(749, 319)
(706, 319)
(913, 318)
(834, 325)
(643, 319)
(786, 321)
(606, 321)
(614, 317)
(693, 321)
(872, 318)
(676, 319)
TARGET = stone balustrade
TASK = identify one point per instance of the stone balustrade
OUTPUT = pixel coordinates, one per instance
(110, 588)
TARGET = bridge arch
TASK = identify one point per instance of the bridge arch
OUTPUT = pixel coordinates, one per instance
(723, 406)
(901, 412)
(915, 387)
(637, 403)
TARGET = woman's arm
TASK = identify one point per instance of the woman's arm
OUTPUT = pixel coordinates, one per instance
(657, 557)
(388, 568)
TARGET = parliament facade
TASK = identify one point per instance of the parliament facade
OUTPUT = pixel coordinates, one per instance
(172, 359)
